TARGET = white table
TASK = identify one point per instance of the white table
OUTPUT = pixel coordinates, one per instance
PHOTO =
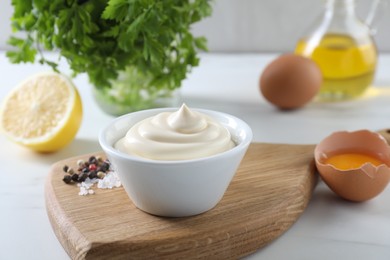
(330, 228)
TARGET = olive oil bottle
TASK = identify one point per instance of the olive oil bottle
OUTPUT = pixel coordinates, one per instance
(343, 47)
(348, 68)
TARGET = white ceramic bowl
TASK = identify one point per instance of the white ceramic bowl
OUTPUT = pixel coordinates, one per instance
(175, 188)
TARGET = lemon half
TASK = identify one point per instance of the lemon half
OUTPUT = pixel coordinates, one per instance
(44, 112)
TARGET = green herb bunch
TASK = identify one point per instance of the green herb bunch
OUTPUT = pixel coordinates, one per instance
(104, 37)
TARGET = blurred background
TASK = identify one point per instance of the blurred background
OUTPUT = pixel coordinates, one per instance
(251, 25)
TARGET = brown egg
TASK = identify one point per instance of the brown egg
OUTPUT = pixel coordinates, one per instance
(290, 81)
(362, 171)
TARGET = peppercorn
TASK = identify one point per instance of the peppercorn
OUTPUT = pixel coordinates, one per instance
(65, 168)
(92, 160)
(80, 163)
(92, 175)
(99, 159)
(70, 170)
(101, 174)
(82, 177)
(105, 166)
(92, 167)
(67, 179)
(75, 177)
(85, 170)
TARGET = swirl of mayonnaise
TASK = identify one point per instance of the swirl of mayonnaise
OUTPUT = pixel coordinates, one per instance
(180, 135)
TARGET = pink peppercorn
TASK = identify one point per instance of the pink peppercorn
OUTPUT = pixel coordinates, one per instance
(92, 167)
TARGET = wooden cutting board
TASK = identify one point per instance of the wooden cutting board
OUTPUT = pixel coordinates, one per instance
(267, 195)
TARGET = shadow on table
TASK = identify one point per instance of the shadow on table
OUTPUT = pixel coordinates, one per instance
(76, 148)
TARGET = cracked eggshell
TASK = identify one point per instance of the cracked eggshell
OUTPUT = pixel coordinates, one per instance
(358, 184)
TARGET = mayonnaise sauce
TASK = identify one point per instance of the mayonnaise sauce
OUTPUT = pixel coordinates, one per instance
(180, 135)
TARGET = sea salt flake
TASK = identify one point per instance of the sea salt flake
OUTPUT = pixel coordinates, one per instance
(110, 181)
(85, 187)
(83, 191)
(88, 183)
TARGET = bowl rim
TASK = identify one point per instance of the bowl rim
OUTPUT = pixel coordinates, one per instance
(110, 148)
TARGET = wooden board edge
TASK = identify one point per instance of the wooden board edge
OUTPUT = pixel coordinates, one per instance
(62, 230)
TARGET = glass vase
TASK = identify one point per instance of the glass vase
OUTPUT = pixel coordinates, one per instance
(131, 92)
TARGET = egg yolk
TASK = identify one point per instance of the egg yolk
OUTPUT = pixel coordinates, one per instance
(348, 161)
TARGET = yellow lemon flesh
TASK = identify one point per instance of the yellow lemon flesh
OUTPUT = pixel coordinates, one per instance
(43, 113)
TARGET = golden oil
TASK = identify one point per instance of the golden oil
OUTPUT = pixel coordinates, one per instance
(348, 68)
